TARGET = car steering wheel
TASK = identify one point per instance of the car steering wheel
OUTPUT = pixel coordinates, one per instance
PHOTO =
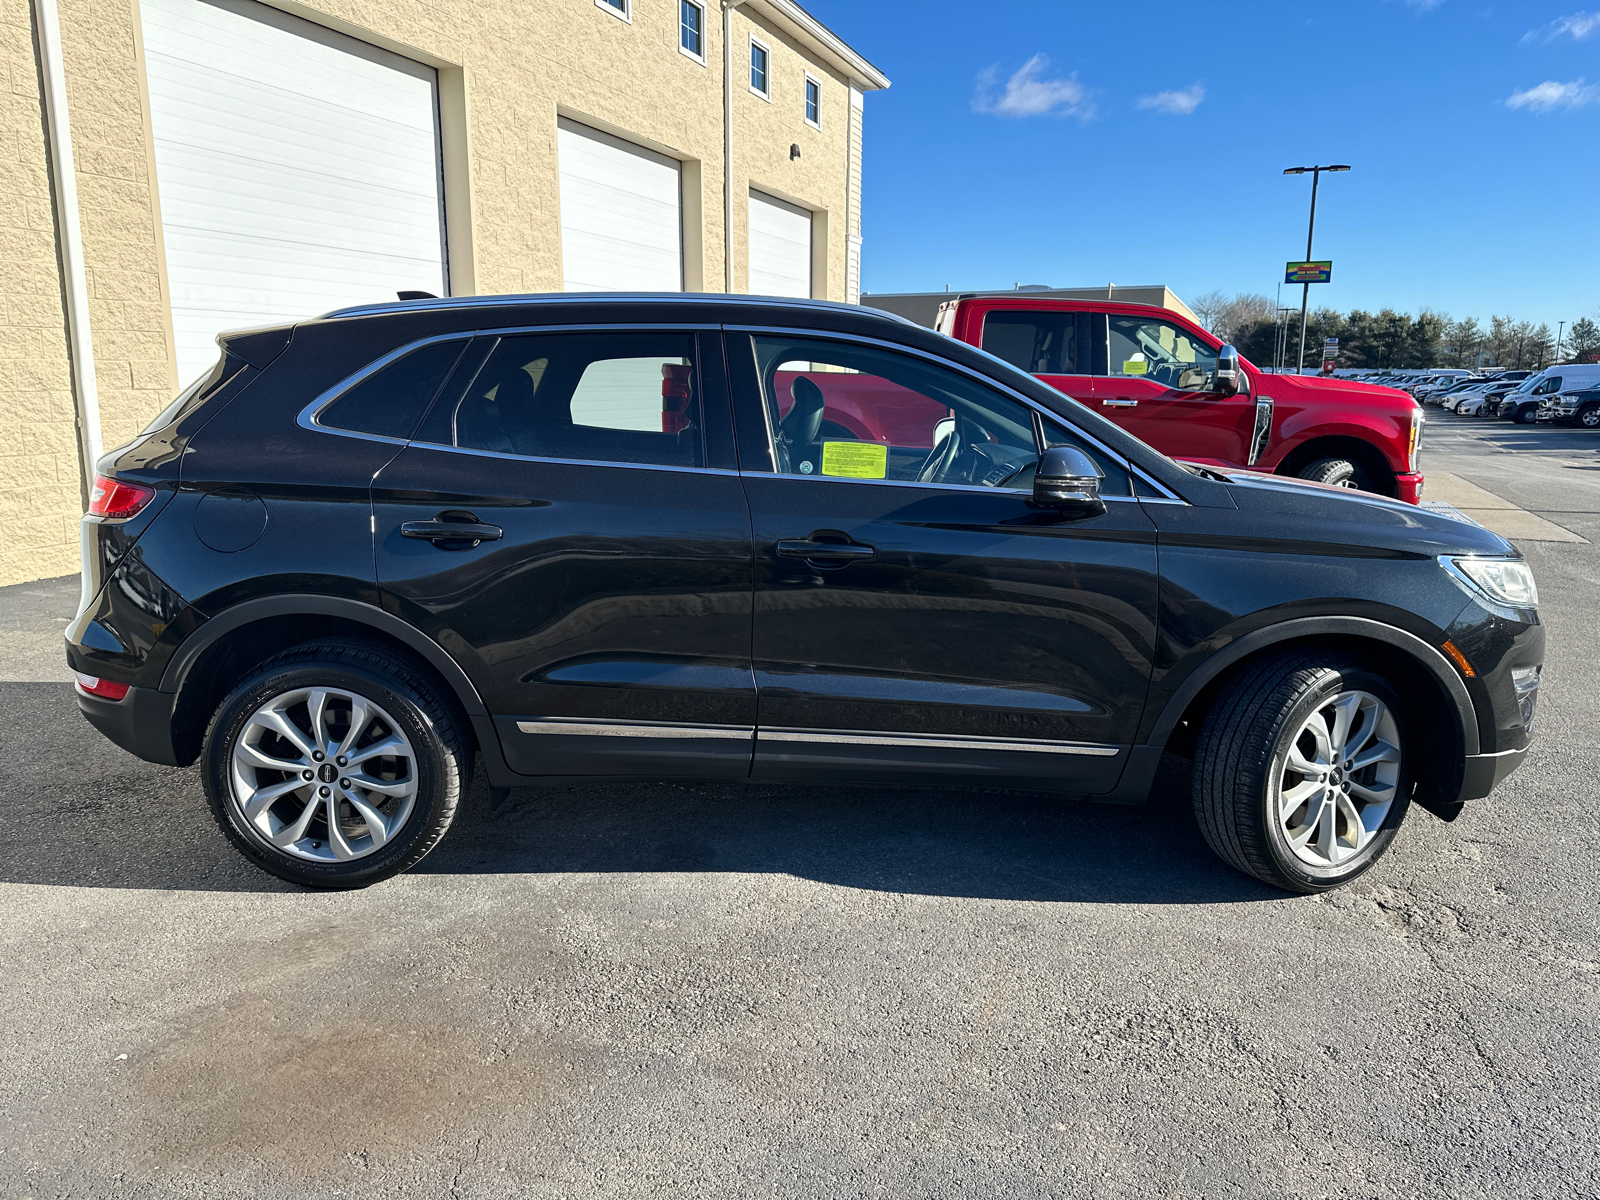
(944, 454)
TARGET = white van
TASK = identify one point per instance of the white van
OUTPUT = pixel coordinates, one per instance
(1554, 394)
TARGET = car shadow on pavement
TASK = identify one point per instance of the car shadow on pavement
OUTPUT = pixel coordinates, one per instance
(75, 811)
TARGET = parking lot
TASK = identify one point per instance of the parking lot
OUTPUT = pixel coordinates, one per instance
(758, 991)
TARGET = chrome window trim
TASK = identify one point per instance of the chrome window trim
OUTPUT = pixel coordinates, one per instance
(309, 414)
(934, 741)
(307, 418)
(986, 380)
(569, 462)
(645, 729)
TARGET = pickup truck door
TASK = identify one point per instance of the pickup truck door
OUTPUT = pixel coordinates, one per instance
(1160, 385)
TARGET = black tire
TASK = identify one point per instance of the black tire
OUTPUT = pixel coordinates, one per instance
(1525, 414)
(1341, 472)
(1588, 417)
(442, 753)
(1242, 749)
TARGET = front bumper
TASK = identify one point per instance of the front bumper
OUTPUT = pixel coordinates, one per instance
(1408, 487)
(1484, 772)
(141, 722)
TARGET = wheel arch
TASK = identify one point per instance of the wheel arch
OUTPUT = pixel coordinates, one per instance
(1443, 716)
(231, 642)
(1339, 446)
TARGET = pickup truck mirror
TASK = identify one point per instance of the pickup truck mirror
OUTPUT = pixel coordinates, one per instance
(1230, 376)
(1068, 479)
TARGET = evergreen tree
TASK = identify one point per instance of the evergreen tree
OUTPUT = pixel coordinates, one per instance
(1582, 341)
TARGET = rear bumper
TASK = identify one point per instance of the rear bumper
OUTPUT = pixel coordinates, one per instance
(141, 722)
(1408, 487)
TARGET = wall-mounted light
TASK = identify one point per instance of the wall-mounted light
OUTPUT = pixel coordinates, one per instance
(794, 151)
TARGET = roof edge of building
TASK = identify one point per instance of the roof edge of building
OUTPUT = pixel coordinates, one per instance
(814, 31)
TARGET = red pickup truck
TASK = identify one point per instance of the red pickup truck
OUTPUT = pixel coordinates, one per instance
(1175, 386)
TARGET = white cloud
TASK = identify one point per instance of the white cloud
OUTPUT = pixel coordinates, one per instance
(1578, 27)
(1027, 95)
(1424, 5)
(1550, 95)
(1176, 104)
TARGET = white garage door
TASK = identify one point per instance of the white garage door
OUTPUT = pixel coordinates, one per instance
(298, 169)
(621, 214)
(780, 248)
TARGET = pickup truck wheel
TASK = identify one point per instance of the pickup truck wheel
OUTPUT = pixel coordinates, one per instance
(335, 765)
(1340, 472)
(1301, 771)
(1589, 416)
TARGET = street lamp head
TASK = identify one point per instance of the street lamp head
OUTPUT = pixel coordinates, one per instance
(1339, 167)
(1295, 170)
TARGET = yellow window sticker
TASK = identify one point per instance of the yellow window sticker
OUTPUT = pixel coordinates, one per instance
(855, 460)
(1135, 365)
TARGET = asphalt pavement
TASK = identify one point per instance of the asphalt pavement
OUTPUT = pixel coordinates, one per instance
(697, 990)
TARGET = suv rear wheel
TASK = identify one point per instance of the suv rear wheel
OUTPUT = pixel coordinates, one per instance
(1301, 774)
(335, 765)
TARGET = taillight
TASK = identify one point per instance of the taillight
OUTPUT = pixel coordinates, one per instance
(118, 498)
(103, 688)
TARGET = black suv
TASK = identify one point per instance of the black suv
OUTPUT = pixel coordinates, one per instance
(562, 538)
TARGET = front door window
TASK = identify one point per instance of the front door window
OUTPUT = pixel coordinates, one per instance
(1160, 352)
(844, 411)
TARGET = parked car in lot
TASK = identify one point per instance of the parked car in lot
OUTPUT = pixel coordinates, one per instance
(1485, 401)
(1581, 408)
(1167, 381)
(1521, 404)
(1559, 393)
(580, 538)
(1442, 395)
(1453, 400)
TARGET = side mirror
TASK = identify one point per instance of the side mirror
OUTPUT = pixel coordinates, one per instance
(1230, 377)
(1068, 479)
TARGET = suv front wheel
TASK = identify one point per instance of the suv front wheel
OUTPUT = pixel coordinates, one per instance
(335, 765)
(1302, 775)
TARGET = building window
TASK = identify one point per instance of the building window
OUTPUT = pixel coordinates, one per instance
(813, 102)
(760, 70)
(617, 8)
(692, 29)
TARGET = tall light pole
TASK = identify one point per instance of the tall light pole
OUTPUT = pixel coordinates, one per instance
(1561, 328)
(1305, 289)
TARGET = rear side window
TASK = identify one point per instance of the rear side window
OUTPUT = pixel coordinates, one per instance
(1045, 343)
(582, 397)
(389, 402)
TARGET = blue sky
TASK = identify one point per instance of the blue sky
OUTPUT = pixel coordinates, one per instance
(1075, 143)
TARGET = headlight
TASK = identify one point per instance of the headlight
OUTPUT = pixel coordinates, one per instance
(1507, 581)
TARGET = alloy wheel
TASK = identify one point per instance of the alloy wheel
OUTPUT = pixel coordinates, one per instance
(323, 774)
(1338, 779)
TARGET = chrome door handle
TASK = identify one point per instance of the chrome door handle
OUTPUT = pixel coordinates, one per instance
(452, 527)
(1121, 402)
(802, 548)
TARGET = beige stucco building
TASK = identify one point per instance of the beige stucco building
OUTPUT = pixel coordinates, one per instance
(169, 168)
